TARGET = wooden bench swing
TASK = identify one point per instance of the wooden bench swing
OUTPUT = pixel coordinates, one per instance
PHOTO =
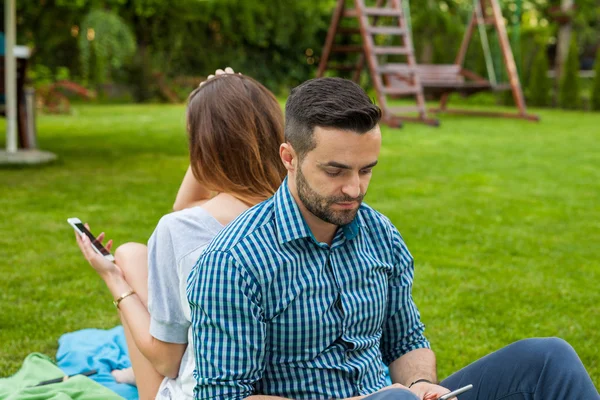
(411, 79)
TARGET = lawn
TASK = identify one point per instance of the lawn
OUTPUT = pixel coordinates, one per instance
(502, 217)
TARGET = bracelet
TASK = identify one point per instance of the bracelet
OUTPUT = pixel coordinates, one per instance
(124, 295)
(419, 381)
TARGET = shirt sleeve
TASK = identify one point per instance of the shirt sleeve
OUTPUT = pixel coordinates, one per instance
(402, 330)
(228, 328)
(167, 319)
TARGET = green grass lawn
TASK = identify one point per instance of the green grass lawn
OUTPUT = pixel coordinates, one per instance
(502, 217)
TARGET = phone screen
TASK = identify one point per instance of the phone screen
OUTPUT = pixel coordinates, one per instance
(93, 239)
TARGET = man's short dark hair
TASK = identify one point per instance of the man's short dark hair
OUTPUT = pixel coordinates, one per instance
(328, 103)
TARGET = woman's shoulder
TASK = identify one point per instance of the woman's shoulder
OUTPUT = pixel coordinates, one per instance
(224, 208)
(194, 217)
(187, 229)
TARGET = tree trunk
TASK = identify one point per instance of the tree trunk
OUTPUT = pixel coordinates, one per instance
(562, 48)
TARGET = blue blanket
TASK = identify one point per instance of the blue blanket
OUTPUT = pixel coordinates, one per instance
(103, 350)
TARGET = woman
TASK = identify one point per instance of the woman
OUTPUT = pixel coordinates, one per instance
(235, 127)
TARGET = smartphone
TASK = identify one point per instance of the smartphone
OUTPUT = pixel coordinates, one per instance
(82, 230)
(455, 393)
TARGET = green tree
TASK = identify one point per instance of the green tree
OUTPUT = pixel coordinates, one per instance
(272, 41)
(105, 43)
(569, 84)
(596, 87)
(539, 84)
(52, 29)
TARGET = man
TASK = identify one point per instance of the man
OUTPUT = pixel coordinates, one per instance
(306, 294)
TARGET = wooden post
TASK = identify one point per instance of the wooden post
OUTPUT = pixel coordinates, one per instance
(509, 60)
(368, 51)
(335, 21)
(360, 64)
(412, 61)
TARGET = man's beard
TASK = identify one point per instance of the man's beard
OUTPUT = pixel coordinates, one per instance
(321, 206)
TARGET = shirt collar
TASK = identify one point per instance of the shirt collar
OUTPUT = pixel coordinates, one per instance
(291, 224)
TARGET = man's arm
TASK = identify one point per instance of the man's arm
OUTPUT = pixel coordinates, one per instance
(414, 365)
(227, 327)
(402, 329)
(404, 347)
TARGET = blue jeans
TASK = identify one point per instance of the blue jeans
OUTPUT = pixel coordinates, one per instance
(531, 369)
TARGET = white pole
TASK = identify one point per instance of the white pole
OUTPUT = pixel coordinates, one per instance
(10, 75)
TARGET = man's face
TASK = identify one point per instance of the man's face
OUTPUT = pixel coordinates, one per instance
(333, 178)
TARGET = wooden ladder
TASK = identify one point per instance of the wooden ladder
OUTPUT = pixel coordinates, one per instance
(368, 16)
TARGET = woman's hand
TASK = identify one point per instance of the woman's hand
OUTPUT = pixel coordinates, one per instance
(228, 70)
(103, 267)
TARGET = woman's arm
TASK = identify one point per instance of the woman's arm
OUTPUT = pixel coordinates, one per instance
(191, 193)
(165, 357)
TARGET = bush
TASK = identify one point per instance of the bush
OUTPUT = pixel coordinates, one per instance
(596, 87)
(41, 75)
(539, 85)
(569, 85)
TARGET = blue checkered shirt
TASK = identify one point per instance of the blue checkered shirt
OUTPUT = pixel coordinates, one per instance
(275, 312)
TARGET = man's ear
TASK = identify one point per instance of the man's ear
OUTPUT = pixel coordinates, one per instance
(288, 157)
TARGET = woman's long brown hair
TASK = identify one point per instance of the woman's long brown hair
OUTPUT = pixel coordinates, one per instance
(235, 128)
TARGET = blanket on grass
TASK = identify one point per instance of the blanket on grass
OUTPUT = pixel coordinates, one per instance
(39, 367)
(99, 349)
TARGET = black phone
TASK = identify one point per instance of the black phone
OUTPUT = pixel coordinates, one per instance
(82, 230)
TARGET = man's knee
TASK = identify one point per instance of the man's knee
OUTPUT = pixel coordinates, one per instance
(541, 351)
(549, 347)
(128, 252)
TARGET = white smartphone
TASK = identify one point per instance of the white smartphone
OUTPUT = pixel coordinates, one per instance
(455, 393)
(81, 229)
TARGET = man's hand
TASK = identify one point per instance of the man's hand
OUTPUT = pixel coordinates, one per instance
(428, 391)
